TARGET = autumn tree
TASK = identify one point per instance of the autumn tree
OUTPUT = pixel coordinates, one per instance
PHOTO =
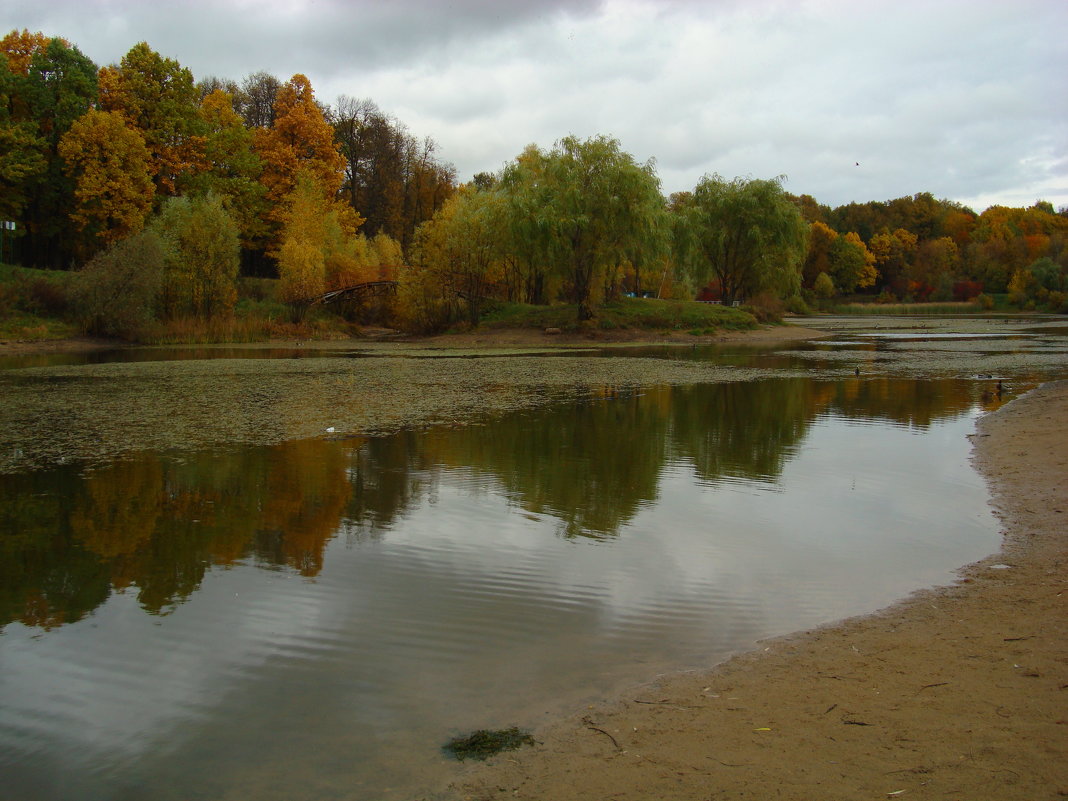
(300, 140)
(461, 247)
(202, 248)
(934, 268)
(821, 239)
(109, 165)
(317, 239)
(747, 235)
(893, 255)
(852, 265)
(158, 97)
(593, 207)
(391, 178)
(232, 168)
(54, 84)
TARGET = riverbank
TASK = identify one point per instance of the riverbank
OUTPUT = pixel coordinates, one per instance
(959, 692)
(482, 337)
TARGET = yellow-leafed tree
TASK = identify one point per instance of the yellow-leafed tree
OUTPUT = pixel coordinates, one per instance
(317, 236)
(109, 164)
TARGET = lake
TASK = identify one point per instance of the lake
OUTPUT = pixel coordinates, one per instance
(237, 612)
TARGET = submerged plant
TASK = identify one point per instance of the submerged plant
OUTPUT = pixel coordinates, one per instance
(487, 742)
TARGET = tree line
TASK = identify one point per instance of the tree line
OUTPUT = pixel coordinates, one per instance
(91, 153)
(154, 184)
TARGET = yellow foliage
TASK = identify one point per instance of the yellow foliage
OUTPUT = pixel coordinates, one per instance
(868, 274)
(108, 162)
(301, 271)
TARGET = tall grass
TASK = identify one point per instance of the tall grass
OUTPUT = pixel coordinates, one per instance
(905, 309)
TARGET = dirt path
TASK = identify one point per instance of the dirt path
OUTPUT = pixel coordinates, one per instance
(957, 693)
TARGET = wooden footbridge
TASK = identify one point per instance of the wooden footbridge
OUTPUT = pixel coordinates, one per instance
(359, 291)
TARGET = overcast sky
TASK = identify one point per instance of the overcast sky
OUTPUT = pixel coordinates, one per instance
(852, 100)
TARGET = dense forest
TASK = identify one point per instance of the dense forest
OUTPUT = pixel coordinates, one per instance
(161, 192)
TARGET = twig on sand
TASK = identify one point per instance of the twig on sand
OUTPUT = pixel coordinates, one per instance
(589, 725)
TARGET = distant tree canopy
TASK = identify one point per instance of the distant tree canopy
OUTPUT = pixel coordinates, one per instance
(243, 142)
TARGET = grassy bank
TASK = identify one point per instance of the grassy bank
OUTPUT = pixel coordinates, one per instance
(33, 304)
(36, 305)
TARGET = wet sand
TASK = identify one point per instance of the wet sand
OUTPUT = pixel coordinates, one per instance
(954, 693)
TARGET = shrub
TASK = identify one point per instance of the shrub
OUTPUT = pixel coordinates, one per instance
(797, 305)
(767, 308)
(824, 286)
(115, 294)
(46, 297)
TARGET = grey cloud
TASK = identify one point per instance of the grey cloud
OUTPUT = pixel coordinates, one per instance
(962, 99)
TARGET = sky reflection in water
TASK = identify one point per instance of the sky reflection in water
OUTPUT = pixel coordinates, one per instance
(315, 618)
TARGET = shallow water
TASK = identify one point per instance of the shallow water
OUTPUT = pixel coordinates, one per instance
(313, 618)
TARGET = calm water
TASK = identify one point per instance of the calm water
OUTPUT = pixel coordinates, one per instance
(313, 620)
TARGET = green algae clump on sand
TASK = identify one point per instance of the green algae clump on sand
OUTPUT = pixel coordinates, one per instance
(485, 743)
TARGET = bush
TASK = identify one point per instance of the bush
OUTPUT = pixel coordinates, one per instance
(48, 298)
(115, 294)
(824, 287)
(797, 305)
(767, 308)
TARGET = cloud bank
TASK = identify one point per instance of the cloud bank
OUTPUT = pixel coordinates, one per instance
(850, 101)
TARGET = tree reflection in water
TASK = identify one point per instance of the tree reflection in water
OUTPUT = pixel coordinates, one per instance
(156, 523)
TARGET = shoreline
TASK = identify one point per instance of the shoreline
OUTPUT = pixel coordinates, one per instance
(503, 337)
(955, 692)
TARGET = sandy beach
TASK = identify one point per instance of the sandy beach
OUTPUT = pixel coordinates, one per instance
(955, 693)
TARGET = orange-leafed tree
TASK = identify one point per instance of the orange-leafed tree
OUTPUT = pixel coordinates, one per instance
(21, 46)
(300, 140)
(109, 164)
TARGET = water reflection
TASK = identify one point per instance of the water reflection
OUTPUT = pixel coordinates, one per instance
(152, 525)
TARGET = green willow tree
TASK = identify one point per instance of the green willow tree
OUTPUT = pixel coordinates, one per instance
(746, 234)
(589, 206)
